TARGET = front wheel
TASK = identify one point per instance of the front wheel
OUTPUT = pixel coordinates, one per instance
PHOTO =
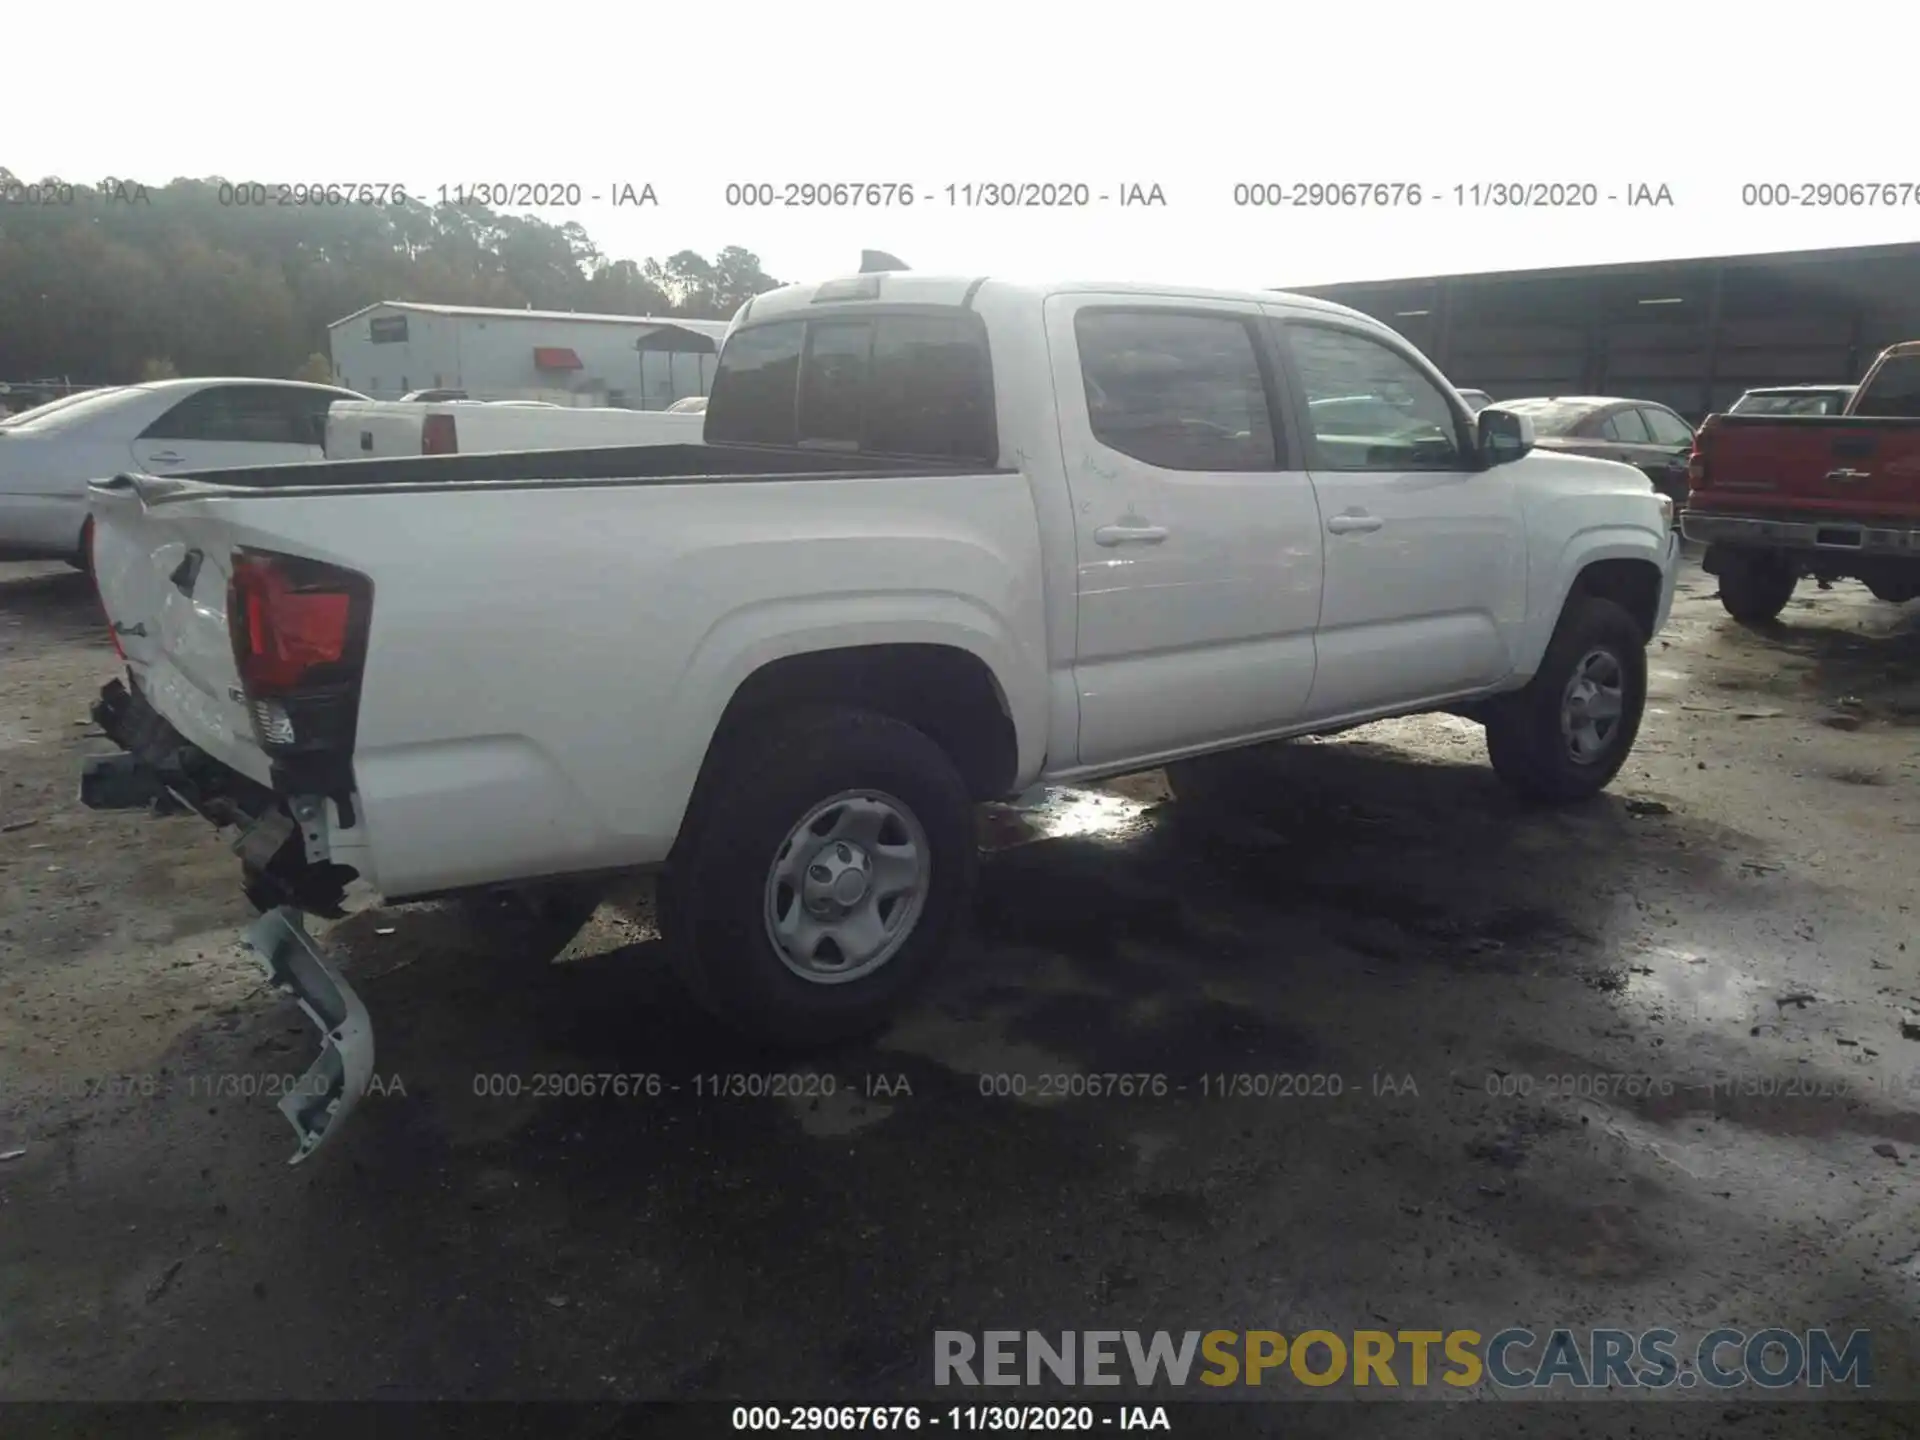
(1566, 735)
(819, 886)
(1894, 592)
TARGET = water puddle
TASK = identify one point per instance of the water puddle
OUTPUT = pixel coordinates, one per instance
(1058, 813)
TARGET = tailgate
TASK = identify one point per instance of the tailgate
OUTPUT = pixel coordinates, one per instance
(1840, 465)
(162, 572)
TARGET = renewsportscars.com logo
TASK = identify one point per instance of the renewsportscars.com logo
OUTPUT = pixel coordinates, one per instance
(1510, 1359)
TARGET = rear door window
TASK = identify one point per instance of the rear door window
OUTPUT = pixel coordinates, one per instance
(237, 414)
(1666, 427)
(204, 415)
(1626, 427)
(1179, 391)
(267, 415)
(913, 385)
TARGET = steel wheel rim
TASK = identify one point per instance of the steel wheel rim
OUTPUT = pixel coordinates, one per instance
(1593, 706)
(847, 887)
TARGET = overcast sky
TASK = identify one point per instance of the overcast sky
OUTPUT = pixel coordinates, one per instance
(1192, 97)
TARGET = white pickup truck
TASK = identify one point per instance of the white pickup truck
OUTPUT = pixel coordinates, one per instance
(947, 538)
(390, 429)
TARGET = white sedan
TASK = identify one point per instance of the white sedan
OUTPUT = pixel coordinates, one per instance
(48, 455)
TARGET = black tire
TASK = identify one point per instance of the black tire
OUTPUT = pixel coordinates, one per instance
(1525, 741)
(1894, 594)
(1755, 587)
(536, 922)
(82, 557)
(1227, 781)
(713, 899)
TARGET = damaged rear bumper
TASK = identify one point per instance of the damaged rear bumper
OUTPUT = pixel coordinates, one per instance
(339, 1076)
(160, 770)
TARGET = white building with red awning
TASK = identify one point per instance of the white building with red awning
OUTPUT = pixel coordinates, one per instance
(398, 347)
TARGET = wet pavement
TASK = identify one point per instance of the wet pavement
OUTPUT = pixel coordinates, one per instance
(1383, 1050)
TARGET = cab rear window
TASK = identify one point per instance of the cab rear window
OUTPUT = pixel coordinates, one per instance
(914, 385)
(1893, 391)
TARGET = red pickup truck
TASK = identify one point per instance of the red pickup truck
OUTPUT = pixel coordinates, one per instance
(1778, 497)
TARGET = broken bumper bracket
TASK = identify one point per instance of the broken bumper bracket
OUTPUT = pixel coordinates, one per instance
(119, 782)
(334, 1083)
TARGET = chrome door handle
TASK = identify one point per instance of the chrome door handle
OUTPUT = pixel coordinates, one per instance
(1844, 475)
(164, 457)
(1129, 534)
(1353, 524)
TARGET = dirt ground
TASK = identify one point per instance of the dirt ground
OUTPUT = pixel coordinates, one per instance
(1731, 926)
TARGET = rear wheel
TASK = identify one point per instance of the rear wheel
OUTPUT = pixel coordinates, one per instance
(819, 885)
(1755, 586)
(1894, 593)
(1566, 735)
(1226, 781)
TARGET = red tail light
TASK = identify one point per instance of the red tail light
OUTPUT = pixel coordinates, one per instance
(438, 436)
(294, 622)
(1697, 461)
(299, 630)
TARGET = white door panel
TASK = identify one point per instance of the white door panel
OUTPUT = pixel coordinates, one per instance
(1198, 588)
(1425, 561)
(1412, 600)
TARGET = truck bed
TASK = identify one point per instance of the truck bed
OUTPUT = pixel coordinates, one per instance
(526, 636)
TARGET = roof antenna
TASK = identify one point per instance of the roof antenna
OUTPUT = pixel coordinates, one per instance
(875, 261)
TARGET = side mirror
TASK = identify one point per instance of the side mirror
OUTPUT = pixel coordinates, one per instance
(1503, 435)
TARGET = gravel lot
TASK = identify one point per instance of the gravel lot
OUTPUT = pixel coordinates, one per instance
(1740, 905)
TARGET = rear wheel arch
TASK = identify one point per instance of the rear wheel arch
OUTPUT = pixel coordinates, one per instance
(946, 692)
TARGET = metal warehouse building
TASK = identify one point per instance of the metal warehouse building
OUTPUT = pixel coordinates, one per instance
(636, 362)
(1691, 334)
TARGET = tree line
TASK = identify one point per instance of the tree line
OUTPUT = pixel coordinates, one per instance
(120, 281)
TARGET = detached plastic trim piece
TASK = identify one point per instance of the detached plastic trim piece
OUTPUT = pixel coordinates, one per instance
(334, 1083)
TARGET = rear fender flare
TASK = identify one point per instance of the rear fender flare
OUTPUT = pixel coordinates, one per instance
(745, 640)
